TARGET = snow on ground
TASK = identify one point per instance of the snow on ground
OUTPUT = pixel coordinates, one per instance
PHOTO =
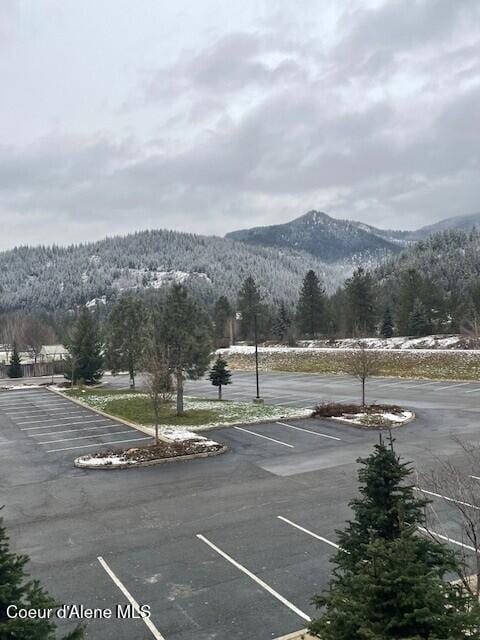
(120, 459)
(428, 344)
(382, 416)
(14, 387)
(440, 341)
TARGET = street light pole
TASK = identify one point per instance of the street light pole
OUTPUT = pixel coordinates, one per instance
(257, 399)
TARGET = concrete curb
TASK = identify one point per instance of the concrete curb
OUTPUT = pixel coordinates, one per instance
(369, 427)
(150, 463)
(133, 425)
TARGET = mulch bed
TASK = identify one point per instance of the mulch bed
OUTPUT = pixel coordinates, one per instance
(161, 450)
(339, 409)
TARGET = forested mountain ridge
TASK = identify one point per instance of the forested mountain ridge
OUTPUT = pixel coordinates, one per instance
(51, 278)
(450, 260)
(329, 239)
(458, 223)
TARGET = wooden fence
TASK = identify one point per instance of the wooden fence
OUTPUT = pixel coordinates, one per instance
(36, 370)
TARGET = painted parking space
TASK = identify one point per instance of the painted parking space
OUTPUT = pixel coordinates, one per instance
(234, 581)
(57, 425)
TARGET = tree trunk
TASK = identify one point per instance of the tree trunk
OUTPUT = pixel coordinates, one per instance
(156, 421)
(131, 372)
(363, 392)
(179, 394)
(219, 391)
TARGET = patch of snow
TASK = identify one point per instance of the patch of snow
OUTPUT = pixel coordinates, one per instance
(96, 302)
(17, 387)
(356, 418)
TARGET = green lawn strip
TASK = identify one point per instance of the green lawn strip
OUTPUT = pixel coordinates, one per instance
(136, 407)
(464, 365)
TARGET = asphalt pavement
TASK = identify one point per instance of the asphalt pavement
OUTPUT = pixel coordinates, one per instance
(225, 548)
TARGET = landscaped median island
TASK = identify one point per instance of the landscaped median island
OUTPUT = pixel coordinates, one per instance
(178, 435)
(183, 445)
(373, 416)
(199, 415)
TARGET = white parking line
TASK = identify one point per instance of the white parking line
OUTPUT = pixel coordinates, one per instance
(389, 384)
(310, 533)
(255, 578)
(452, 386)
(422, 384)
(473, 390)
(475, 477)
(30, 411)
(63, 424)
(259, 435)
(97, 444)
(100, 435)
(33, 403)
(322, 435)
(54, 433)
(69, 415)
(151, 627)
(439, 495)
(45, 412)
(446, 538)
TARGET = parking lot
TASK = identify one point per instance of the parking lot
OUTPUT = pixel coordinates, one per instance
(228, 548)
(57, 424)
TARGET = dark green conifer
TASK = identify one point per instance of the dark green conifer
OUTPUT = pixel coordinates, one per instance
(17, 590)
(220, 375)
(15, 369)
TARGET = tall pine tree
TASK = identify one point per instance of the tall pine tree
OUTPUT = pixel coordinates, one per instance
(126, 335)
(184, 333)
(249, 305)
(222, 317)
(411, 288)
(360, 303)
(311, 306)
(386, 329)
(85, 361)
(418, 321)
(282, 323)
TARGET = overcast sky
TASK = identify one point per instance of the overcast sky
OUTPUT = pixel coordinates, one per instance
(222, 114)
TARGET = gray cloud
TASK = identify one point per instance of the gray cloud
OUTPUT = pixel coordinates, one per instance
(252, 127)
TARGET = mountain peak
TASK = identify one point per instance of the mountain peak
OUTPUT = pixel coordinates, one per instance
(313, 217)
(327, 238)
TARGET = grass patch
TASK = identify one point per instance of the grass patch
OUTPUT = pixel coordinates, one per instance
(136, 407)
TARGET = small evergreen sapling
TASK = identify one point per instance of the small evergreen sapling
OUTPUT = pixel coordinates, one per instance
(15, 369)
(220, 375)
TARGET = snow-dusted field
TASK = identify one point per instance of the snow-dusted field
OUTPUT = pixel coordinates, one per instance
(431, 363)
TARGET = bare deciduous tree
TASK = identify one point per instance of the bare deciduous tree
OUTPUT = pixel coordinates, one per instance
(34, 335)
(158, 382)
(457, 483)
(362, 363)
